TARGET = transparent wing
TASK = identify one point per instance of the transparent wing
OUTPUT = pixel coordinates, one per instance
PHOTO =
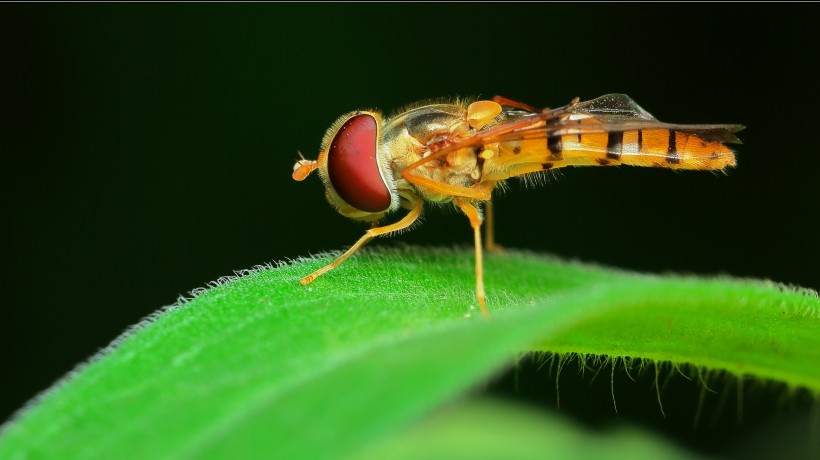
(612, 106)
(609, 113)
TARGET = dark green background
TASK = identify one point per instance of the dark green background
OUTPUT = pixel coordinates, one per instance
(147, 149)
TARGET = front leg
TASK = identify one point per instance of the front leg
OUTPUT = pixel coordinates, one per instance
(477, 192)
(406, 221)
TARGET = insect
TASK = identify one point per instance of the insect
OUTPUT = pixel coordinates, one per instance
(459, 152)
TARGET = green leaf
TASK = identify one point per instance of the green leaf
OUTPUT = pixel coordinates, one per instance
(487, 429)
(262, 366)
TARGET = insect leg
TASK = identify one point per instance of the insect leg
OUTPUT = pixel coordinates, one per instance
(489, 233)
(475, 221)
(477, 192)
(405, 222)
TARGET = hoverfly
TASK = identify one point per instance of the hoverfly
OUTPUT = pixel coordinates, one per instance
(459, 152)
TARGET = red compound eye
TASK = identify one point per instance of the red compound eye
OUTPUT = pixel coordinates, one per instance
(353, 168)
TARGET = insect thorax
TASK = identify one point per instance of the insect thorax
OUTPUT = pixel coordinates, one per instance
(417, 133)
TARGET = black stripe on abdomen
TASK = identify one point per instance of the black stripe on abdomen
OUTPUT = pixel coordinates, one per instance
(672, 155)
(555, 147)
(615, 145)
(640, 141)
(554, 143)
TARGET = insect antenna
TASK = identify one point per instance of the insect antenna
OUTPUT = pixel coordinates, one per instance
(303, 167)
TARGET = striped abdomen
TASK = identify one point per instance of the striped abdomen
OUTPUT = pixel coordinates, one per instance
(675, 148)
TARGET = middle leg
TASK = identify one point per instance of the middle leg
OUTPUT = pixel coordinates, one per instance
(472, 213)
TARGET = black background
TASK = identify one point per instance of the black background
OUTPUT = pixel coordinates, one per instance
(147, 149)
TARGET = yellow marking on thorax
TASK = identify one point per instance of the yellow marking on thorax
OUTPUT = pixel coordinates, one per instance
(482, 113)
